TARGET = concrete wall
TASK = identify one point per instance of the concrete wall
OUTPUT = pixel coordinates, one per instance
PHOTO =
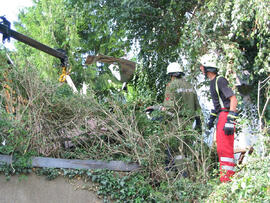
(36, 189)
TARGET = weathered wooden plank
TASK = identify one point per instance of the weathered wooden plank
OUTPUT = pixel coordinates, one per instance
(5, 159)
(76, 163)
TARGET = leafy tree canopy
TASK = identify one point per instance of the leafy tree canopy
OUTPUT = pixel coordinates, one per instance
(165, 31)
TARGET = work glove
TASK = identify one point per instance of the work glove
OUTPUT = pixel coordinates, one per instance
(212, 119)
(229, 125)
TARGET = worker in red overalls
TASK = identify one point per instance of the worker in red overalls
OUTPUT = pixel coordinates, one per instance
(225, 104)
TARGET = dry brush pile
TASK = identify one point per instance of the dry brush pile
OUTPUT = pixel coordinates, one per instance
(49, 120)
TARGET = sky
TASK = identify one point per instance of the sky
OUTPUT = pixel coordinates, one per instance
(10, 9)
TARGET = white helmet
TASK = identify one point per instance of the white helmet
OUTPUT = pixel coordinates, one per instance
(174, 68)
(209, 60)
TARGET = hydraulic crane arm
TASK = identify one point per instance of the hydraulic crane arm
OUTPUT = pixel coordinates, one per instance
(58, 53)
(7, 33)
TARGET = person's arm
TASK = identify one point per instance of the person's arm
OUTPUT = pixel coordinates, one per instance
(233, 103)
(228, 93)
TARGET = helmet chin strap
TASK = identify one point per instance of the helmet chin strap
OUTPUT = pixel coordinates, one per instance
(205, 76)
(205, 73)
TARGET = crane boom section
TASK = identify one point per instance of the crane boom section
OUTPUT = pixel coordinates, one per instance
(7, 33)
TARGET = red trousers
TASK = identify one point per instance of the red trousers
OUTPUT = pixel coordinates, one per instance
(225, 149)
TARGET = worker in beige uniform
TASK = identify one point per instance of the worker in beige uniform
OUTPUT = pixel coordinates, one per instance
(180, 100)
(180, 97)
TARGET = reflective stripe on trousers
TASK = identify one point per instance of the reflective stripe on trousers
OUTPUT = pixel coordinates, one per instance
(227, 159)
(228, 168)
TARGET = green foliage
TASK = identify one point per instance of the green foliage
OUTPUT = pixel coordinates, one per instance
(251, 184)
(132, 188)
(77, 27)
(156, 27)
(52, 27)
(237, 31)
(13, 136)
(111, 185)
(105, 124)
(165, 31)
(49, 173)
(93, 27)
(20, 165)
